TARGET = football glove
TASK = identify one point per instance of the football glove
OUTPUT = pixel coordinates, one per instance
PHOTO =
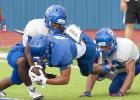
(39, 79)
(106, 68)
(100, 77)
(86, 94)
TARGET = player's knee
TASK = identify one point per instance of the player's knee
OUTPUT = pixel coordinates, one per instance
(84, 73)
(21, 61)
(16, 81)
(113, 90)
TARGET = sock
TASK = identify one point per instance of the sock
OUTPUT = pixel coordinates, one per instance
(30, 87)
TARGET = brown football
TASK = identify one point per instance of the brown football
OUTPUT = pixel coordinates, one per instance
(47, 75)
(36, 71)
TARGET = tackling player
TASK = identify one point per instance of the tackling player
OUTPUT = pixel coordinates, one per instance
(123, 55)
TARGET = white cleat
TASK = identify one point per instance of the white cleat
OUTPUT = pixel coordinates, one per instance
(35, 95)
(2, 94)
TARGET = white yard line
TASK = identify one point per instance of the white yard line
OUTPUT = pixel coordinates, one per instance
(4, 60)
(3, 55)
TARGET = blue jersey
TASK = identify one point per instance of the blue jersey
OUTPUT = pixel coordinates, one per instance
(62, 51)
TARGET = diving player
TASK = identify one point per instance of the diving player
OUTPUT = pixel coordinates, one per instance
(16, 57)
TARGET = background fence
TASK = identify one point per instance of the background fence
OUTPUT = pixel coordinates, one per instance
(88, 14)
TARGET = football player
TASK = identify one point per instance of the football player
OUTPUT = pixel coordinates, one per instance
(16, 60)
(59, 50)
(16, 57)
(53, 14)
(123, 55)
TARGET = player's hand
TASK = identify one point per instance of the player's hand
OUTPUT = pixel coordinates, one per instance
(106, 68)
(39, 79)
(117, 94)
(100, 77)
(109, 67)
(86, 94)
(123, 6)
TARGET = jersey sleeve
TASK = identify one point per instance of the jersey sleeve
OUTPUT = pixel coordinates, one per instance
(126, 51)
(34, 27)
(29, 29)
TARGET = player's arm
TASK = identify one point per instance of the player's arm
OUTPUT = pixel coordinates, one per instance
(130, 69)
(98, 69)
(28, 55)
(91, 79)
(62, 79)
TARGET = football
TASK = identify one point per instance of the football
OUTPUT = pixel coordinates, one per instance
(36, 71)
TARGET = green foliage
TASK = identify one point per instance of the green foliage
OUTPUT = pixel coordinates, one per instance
(70, 91)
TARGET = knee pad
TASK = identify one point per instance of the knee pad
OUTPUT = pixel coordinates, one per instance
(113, 90)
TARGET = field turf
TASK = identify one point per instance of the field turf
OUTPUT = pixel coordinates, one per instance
(70, 91)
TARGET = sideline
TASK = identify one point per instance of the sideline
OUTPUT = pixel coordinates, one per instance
(3, 55)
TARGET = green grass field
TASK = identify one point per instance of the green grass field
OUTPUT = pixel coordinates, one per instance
(4, 49)
(70, 91)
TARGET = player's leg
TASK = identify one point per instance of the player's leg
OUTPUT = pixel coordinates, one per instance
(129, 30)
(16, 60)
(85, 64)
(91, 79)
(9, 81)
(86, 69)
(4, 83)
(23, 73)
(117, 83)
(130, 20)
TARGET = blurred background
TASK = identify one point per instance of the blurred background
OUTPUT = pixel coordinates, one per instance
(90, 15)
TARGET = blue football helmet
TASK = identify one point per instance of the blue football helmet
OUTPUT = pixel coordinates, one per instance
(55, 14)
(39, 45)
(106, 37)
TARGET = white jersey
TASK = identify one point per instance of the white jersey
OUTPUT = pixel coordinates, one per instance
(126, 51)
(34, 27)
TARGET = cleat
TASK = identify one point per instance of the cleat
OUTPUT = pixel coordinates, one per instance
(2, 94)
(35, 95)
